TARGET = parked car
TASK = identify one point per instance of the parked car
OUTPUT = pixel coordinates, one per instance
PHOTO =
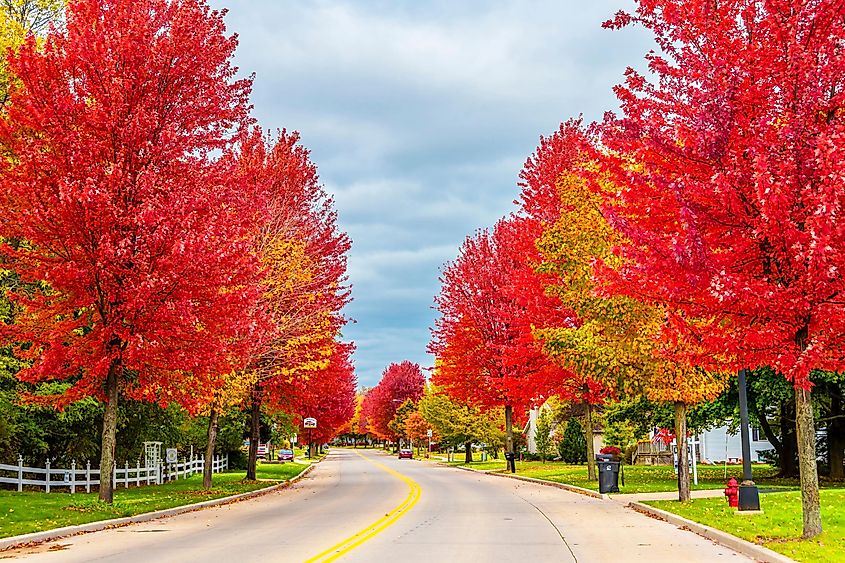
(285, 455)
(406, 453)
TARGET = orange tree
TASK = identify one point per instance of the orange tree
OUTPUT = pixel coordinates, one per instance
(416, 429)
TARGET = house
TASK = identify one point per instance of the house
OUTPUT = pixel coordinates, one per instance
(719, 445)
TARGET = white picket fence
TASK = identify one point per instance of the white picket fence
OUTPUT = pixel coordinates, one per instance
(78, 477)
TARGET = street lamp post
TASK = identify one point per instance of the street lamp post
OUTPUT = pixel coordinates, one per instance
(749, 496)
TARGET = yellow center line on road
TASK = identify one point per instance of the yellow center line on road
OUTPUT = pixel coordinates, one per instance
(340, 549)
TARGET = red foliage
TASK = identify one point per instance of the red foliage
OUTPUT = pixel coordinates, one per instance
(328, 395)
(732, 162)
(557, 154)
(399, 382)
(304, 294)
(136, 236)
(490, 302)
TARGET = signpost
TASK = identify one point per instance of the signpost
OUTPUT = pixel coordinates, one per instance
(430, 434)
(309, 423)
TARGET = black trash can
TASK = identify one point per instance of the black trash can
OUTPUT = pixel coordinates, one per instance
(608, 476)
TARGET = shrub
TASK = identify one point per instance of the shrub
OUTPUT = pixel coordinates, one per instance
(573, 446)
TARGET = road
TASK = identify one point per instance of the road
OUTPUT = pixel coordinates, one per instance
(365, 506)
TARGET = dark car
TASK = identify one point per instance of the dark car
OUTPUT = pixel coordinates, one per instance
(285, 455)
(406, 453)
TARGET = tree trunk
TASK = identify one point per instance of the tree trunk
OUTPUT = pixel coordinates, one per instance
(468, 452)
(836, 437)
(683, 456)
(209, 448)
(109, 441)
(509, 435)
(805, 429)
(254, 429)
(592, 475)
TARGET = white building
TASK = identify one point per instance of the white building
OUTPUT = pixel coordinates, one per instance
(718, 445)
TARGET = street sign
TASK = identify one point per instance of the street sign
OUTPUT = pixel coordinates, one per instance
(309, 423)
(171, 455)
(430, 433)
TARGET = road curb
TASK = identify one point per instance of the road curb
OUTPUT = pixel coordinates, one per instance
(564, 486)
(756, 552)
(68, 531)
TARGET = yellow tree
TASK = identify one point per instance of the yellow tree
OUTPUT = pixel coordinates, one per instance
(616, 340)
(17, 19)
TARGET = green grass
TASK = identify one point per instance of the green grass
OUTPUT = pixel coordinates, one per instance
(26, 512)
(779, 527)
(638, 478)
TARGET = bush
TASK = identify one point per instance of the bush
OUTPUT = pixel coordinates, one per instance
(629, 454)
(573, 446)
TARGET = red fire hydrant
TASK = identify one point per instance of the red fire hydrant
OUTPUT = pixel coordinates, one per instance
(732, 492)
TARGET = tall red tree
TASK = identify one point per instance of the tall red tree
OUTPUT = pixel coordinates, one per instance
(135, 234)
(490, 303)
(327, 395)
(399, 383)
(304, 257)
(731, 164)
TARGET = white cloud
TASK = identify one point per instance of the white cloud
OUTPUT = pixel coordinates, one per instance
(419, 116)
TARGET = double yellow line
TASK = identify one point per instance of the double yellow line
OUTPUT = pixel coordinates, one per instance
(340, 549)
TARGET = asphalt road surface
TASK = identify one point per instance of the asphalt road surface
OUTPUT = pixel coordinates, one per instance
(366, 506)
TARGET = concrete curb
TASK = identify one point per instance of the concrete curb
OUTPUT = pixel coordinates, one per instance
(67, 531)
(564, 486)
(752, 550)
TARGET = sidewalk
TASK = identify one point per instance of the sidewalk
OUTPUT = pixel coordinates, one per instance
(668, 495)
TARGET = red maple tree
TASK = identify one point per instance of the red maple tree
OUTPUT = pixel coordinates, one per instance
(304, 257)
(491, 301)
(731, 163)
(132, 232)
(399, 383)
(327, 395)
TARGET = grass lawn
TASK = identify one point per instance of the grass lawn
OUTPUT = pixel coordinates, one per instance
(26, 512)
(638, 478)
(779, 527)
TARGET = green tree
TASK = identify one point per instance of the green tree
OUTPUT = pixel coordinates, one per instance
(573, 446)
(458, 423)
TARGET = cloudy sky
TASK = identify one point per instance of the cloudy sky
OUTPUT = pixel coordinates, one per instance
(419, 115)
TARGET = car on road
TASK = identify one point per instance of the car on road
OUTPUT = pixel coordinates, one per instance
(285, 455)
(406, 453)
